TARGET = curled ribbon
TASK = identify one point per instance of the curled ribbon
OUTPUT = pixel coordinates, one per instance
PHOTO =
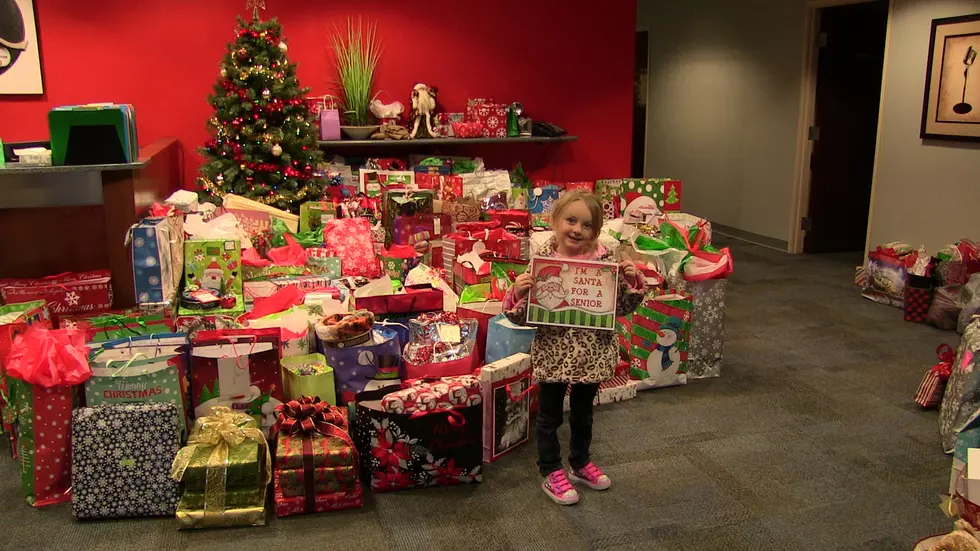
(219, 431)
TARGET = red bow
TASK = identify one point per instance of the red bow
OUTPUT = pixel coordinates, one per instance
(946, 357)
(308, 415)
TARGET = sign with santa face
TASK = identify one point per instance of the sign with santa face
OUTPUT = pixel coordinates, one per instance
(573, 293)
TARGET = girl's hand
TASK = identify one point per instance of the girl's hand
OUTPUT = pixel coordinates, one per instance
(629, 269)
(522, 284)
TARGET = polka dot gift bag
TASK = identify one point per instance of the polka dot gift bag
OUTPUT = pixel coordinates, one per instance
(44, 370)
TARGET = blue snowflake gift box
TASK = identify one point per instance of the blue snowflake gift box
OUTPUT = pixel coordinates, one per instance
(121, 460)
(158, 258)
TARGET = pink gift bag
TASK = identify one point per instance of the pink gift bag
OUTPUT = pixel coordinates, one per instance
(329, 124)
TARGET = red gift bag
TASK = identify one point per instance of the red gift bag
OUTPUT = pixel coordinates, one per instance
(238, 368)
(588, 186)
(20, 316)
(511, 219)
(45, 369)
(415, 299)
(482, 312)
(933, 385)
(435, 370)
(67, 293)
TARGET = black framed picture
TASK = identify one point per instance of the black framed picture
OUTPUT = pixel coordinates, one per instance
(951, 108)
(20, 57)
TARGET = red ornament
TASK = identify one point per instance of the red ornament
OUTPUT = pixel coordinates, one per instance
(291, 172)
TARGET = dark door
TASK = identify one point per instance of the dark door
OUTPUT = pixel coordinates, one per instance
(640, 105)
(852, 46)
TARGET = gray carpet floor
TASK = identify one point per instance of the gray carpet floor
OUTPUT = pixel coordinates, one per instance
(808, 441)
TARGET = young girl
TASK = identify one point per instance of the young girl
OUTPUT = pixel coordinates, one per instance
(582, 358)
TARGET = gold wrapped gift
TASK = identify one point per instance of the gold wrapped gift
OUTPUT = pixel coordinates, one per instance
(242, 508)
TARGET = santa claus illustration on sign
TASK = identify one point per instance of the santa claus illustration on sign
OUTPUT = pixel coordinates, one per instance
(550, 291)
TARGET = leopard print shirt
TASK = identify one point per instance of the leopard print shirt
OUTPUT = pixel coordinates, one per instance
(572, 355)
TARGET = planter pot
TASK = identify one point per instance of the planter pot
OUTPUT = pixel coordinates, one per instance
(359, 132)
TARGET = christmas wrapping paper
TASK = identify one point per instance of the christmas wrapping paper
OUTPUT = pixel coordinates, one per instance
(212, 450)
(14, 320)
(322, 263)
(368, 366)
(447, 187)
(886, 273)
(324, 502)
(121, 460)
(506, 385)
(244, 467)
(328, 453)
(421, 395)
(659, 340)
(511, 219)
(618, 389)
(918, 298)
(706, 340)
(120, 324)
(495, 241)
(664, 194)
(326, 480)
(68, 293)
(930, 391)
(140, 379)
(350, 240)
(408, 229)
(401, 451)
(609, 191)
(158, 258)
(374, 183)
(239, 368)
(398, 260)
(43, 418)
(462, 211)
(414, 299)
(493, 117)
(308, 375)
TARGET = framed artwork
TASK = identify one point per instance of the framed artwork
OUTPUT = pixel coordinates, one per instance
(951, 108)
(20, 58)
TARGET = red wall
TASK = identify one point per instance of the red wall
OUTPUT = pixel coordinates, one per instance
(568, 62)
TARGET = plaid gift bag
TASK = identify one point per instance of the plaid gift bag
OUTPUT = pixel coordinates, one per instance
(933, 385)
(917, 298)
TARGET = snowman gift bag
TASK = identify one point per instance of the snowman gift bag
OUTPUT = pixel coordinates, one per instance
(368, 366)
(240, 369)
(659, 340)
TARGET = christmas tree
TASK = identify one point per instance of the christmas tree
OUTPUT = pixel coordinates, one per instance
(264, 144)
(672, 198)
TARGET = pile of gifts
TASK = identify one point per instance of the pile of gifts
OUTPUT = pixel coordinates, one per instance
(255, 331)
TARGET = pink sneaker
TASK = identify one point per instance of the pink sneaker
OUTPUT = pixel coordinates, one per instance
(591, 476)
(559, 489)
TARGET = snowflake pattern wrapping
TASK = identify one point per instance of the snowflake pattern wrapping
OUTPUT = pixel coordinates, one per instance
(707, 337)
(158, 258)
(350, 240)
(399, 452)
(121, 460)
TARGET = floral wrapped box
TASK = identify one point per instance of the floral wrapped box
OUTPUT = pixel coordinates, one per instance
(121, 460)
(316, 461)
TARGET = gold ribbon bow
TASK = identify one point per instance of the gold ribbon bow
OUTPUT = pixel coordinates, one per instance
(220, 431)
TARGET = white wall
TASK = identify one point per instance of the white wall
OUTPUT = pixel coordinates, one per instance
(723, 106)
(926, 193)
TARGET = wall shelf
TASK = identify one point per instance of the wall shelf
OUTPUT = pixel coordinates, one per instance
(18, 168)
(441, 141)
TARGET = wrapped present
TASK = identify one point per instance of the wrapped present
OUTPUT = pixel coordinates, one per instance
(211, 455)
(45, 369)
(961, 400)
(659, 340)
(349, 239)
(308, 376)
(618, 389)
(588, 186)
(506, 404)
(423, 395)
(141, 374)
(467, 129)
(399, 451)
(120, 324)
(404, 203)
(632, 193)
(374, 183)
(67, 293)
(956, 262)
(122, 450)
(398, 260)
(239, 368)
(462, 210)
(14, 320)
(316, 461)
(294, 324)
(424, 274)
(493, 117)
(321, 262)
(158, 258)
(463, 241)
(447, 188)
(930, 391)
(366, 366)
(409, 230)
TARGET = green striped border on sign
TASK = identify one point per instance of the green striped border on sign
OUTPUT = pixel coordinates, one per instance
(571, 318)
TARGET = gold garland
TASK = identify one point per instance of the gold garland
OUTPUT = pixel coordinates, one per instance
(274, 197)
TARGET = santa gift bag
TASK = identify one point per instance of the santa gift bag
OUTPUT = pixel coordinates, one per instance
(121, 460)
(505, 338)
(240, 369)
(659, 340)
(706, 340)
(399, 451)
(506, 387)
(350, 240)
(368, 366)
(44, 371)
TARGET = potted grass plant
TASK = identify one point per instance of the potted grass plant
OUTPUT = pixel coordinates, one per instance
(357, 52)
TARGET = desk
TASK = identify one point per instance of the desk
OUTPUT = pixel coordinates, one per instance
(56, 219)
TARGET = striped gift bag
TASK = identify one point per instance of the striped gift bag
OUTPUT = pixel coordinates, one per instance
(933, 385)
(659, 339)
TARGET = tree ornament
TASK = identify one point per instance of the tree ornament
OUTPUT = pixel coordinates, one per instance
(243, 76)
(283, 48)
(219, 178)
(277, 150)
(224, 73)
(266, 93)
(242, 53)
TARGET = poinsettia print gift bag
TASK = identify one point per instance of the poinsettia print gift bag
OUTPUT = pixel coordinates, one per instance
(443, 447)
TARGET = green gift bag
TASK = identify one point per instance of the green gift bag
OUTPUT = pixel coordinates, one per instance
(139, 380)
(308, 375)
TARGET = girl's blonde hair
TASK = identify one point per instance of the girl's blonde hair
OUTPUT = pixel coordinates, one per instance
(591, 201)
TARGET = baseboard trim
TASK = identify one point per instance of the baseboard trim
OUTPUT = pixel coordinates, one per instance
(781, 245)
